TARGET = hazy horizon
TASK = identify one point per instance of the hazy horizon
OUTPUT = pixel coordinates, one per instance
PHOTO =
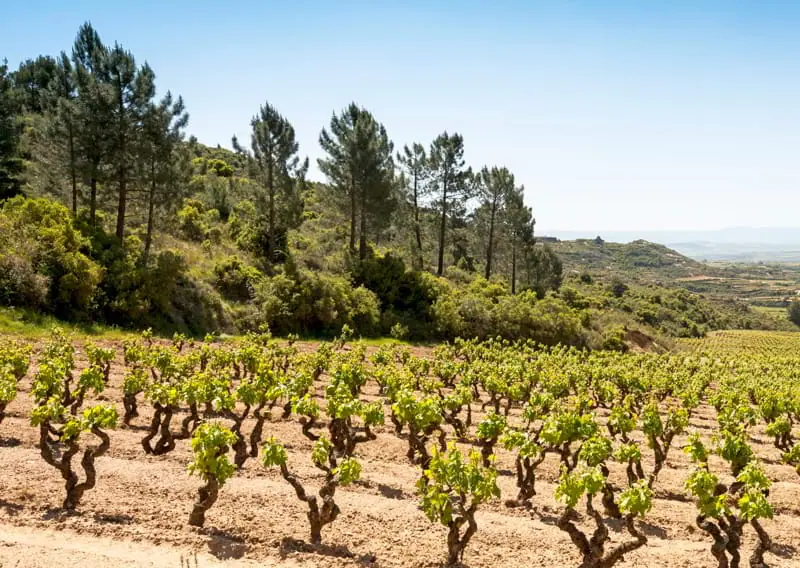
(637, 116)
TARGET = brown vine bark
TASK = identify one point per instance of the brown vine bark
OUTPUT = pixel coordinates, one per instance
(206, 496)
(593, 549)
(73, 486)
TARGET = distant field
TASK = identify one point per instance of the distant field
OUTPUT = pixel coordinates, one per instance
(733, 342)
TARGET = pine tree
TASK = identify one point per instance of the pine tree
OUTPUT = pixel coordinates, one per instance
(519, 223)
(63, 92)
(91, 111)
(275, 164)
(32, 81)
(493, 187)
(10, 161)
(414, 166)
(165, 166)
(451, 180)
(132, 89)
(360, 168)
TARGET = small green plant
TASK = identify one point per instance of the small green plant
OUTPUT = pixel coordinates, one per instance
(634, 501)
(528, 457)
(399, 331)
(210, 445)
(334, 453)
(59, 418)
(489, 431)
(322, 509)
(14, 362)
(724, 510)
(451, 491)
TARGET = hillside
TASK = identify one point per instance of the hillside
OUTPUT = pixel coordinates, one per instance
(116, 215)
(640, 260)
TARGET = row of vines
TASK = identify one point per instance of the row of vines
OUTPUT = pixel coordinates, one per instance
(610, 419)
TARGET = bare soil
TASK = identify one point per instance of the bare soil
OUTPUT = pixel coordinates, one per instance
(137, 515)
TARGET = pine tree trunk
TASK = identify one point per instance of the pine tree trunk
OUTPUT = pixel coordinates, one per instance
(148, 238)
(353, 202)
(93, 201)
(490, 248)
(417, 229)
(122, 203)
(514, 266)
(72, 169)
(442, 229)
(271, 206)
(362, 237)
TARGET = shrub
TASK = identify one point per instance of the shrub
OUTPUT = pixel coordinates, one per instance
(234, 279)
(618, 288)
(614, 339)
(406, 294)
(191, 224)
(46, 247)
(20, 285)
(313, 303)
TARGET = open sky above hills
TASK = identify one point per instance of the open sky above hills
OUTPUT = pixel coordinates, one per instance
(631, 115)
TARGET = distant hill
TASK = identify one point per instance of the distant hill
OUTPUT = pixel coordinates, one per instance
(639, 260)
(737, 244)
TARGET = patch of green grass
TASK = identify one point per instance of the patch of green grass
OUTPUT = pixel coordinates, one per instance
(773, 311)
(32, 325)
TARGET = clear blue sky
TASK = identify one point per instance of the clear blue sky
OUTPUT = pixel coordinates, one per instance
(656, 114)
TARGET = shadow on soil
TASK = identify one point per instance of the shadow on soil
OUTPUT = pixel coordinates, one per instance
(783, 550)
(113, 519)
(289, 545)
(11, 509)
(224, 545)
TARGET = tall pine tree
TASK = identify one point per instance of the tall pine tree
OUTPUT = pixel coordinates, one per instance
(519, 223)
(275, 164)
(63, 92)
(10, 161)
(493, 187)
(91, 112)
(132, 90)
(360, 167)
(165, 167)
(451, 180)
(413, 162)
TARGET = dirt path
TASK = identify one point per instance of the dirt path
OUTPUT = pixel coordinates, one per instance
(42, 548)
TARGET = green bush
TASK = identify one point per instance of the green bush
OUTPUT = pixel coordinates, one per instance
(794, 312)
(482, 312)
(406, 296)
(191, 224)
(234, 279)
(316, 304)
(614, 339)
(618, 288)
(40, 243)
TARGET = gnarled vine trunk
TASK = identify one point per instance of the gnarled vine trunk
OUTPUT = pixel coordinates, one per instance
(73, 486)
(206, 496)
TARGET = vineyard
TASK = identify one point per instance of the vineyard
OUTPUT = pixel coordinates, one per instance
(737, 342)
(281, 452)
